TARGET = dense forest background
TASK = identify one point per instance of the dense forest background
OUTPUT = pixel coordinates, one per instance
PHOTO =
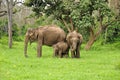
(97, 20)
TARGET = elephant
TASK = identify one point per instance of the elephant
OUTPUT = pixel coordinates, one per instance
(44, 35)
(61, 49)
(74, 39)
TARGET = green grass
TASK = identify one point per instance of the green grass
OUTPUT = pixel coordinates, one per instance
(100, 63)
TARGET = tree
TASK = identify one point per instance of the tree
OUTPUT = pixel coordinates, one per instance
(112, 32)
(9, 12)
(93, 16)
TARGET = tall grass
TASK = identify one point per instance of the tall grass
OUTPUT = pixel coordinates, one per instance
(100, 63)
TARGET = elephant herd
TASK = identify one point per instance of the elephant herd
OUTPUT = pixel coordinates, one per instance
(56, 37)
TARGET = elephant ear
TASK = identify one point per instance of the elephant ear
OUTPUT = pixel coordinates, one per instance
(68, 38)
(36, 34)
(33, 35)
(80, 37)
(30, 32)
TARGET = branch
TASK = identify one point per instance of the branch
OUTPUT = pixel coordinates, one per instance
(91, 31)
(16, 2)
(66, 25)
(100, 17)
(101, 24)
(2, 13)
(72, 27)
(107, 24)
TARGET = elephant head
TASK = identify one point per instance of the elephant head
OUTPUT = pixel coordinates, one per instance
(31, 36)
(74, 40)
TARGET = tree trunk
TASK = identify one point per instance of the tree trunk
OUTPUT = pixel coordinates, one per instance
(10, 7)
(0, 32)
(90, 43)
(25, 46)
(91, 39)
(106, 33)
(93, 36)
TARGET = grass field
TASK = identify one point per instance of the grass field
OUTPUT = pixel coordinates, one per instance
(100, 63)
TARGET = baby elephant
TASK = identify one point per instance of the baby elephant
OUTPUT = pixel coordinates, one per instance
(61, 49)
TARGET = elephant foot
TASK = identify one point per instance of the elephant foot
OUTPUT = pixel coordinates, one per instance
(73, 56)
(60, 56)
(66, 56)
(77, 57)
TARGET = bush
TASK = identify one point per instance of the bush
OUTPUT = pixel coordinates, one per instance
(4, 40)
(18, 38)
(113, 32)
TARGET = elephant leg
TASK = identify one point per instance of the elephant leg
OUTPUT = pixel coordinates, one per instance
(55, 53)
(77, 53)
(39, 49)
(66, 55)
(25, 52)
(60, 54)
(72, 54)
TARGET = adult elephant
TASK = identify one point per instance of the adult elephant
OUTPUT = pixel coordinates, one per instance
(46, 35)
(74, 40)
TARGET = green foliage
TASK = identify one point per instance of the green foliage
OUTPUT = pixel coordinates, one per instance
(3, 28)
(15, 30)
(16, 33)
(44, 20)
(84, 13)
(113, 32)
(100, 64)
(4, 31)
(4, 40)
(48, 20)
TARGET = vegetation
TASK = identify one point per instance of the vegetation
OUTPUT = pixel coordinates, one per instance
(95, 20)
(91, 17)
(100, 63)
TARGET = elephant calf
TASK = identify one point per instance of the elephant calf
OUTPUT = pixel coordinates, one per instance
(74, 39)
(61, 49)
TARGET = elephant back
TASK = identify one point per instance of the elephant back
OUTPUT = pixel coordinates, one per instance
(52, 34)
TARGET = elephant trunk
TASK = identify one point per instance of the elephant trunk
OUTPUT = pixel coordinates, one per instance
(25, 46)
(74, 46)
